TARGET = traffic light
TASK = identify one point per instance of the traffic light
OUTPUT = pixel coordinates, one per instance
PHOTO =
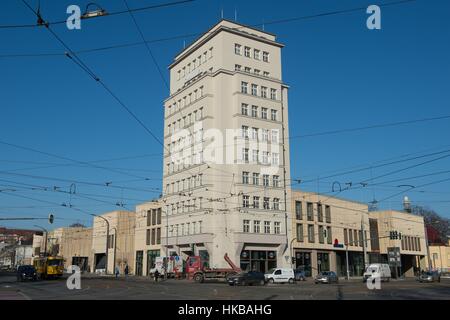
(50, 218)
(293, 260)
(399, 236)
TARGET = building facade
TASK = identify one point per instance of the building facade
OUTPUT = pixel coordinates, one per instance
(147, 243)
(440, 257)
(226, 154)
(327, 230)
(120, 243)
(411, 245)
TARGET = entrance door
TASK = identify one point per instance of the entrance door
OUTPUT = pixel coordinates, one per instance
(323, 262)
(303, 262)
(139, 260)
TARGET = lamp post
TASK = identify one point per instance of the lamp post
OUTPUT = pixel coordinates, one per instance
(45, 239)
(292, 252)
(107, 240)
(115, 248)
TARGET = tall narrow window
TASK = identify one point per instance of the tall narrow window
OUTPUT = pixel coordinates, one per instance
(319, 212)
(254, 89)
(309, 211)
(245, 177)
(328, 214)
(256, 202)
(244, 109)
(237, 49)
(299, 232)
(256, 226)
(277, 227)
(267, 227)
(246, 226)
(321, 235)
(245, 201)
(310, 233)
(244, 87)
(298, 210)
(329, 236)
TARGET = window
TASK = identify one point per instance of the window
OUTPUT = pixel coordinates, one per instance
(265, 56)
(267, 227)
(273, 115)
(256, 54)
(257, 72)
(256, 202)
(147, 238)
(275, 158)
(309, 211)
(256, 179)
(299, 232)
(329, 236)
(153, 217)
(237, 49)
(361, 240)
(345, 237)
(158, 216)
(328, 214)
(149, 218)
(355, 238)
(350, 237)
(254, 89)
(158, 236)
(244, 87)
(255, 156)
(245, 201)
(273, 94)
(255, 133)
(237, 67)
(246, 226)
(266, 180)
(321, 235)
(266, 203)
(277, 227)
(254, 111)
(319, 212)
(264, 92)
(256, 226)
(248, 69)
(265, 158)
(266, 74)
(276, 204)
(274, 136)
(265, 135)
(245, 177)
(276, 181)
(264, 113)
(245, 155)
(247, 52)
(153, 242)
(298, 210)
(244, 109)
(244, 132)
(310, 233)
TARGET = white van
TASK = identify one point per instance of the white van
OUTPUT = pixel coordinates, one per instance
(378, 270)
(279, 275)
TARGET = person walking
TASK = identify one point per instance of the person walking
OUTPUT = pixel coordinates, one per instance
(117, 272)
(156, 275)
(126, 270)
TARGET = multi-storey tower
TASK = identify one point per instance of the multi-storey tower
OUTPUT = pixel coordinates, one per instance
(226, 156)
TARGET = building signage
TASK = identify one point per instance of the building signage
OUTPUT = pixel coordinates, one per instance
(394, 257)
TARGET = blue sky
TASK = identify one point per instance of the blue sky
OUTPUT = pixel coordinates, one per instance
(341, 75)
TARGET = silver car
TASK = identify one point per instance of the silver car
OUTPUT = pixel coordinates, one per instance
(430, 276)
(326, 277)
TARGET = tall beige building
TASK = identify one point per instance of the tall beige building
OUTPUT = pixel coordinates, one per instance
(226, 155)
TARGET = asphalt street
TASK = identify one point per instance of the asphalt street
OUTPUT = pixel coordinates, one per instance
(133, 288)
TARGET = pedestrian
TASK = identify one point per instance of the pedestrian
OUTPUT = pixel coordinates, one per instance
(126, 270)
(117, 272)
(156, 275)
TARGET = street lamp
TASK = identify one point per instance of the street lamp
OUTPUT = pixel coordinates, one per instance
(99, 12)
(45, 241)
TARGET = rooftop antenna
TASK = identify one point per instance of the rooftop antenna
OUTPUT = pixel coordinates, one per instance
(221, 13)
(235, 14)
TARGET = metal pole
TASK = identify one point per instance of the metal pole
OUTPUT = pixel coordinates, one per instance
(292, 252)
(363, 234)
(346, 262)
(45, 239)
(428, 246)
(115, 249)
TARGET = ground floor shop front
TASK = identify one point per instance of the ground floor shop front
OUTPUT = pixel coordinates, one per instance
(312, 262)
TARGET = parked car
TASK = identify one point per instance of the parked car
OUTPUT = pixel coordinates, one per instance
(26, 273)
(278, 275)
(378, 270)
(300, 275)
(247, 278)
(326, 277)
(429, 276)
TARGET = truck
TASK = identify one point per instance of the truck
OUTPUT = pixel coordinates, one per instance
(174, 265)
(198, 270)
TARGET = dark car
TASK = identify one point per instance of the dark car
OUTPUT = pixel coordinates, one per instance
(326, 277)
(430, 276)
(26, 273)
(300, 275)
(247, 278)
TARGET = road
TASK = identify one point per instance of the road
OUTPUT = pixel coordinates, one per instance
(106, 288)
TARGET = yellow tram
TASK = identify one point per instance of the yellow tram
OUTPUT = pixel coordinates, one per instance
(49, 267)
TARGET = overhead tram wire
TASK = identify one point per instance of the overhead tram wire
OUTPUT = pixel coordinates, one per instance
(190, 35)
(73, 57)
(156, 6)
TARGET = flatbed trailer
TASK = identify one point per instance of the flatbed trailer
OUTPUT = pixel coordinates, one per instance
(200, 274)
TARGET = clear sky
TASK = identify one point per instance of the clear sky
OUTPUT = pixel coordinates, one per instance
(341, 76)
